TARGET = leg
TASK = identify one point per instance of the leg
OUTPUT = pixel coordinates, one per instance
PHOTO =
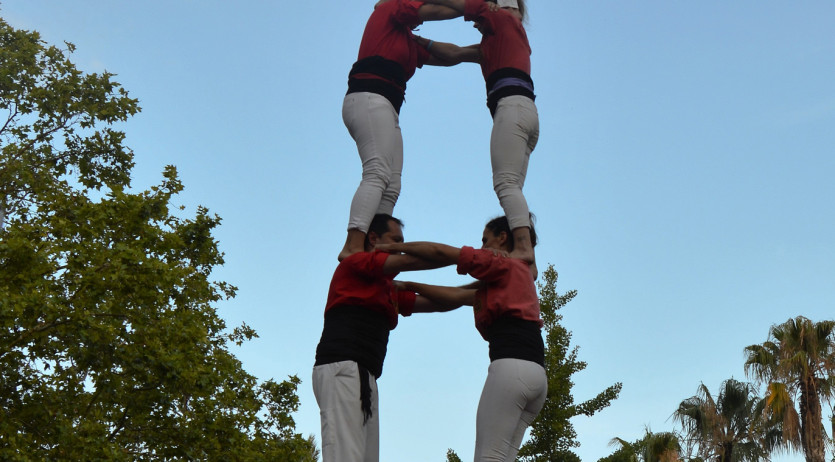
(513, 395)
(345, 438)
(374, 125)
(514, 137)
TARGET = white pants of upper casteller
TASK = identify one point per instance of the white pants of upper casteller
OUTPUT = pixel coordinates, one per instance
(514, 137)
(375, 127)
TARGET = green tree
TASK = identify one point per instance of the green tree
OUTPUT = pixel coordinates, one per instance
(110, 347)
(451, 456)
(552, 435)
(731, 428)
(797, 363)
(653, 447)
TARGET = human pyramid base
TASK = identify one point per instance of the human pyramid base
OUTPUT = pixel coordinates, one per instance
(364, 301)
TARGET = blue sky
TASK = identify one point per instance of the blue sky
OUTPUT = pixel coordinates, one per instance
(683, 183)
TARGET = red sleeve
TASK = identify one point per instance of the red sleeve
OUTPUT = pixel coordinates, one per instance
(367, 264)
(474, 9)
(406, 302)
(482, 264)
(407, 14)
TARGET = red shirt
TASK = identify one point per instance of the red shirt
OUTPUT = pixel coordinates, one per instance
(359, 281)
(388, 34)
(504, 42)
(510, 289)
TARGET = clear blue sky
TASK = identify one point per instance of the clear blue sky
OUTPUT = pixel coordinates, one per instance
(684, 183)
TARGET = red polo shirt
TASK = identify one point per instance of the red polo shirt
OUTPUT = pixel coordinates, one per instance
(359, 281)
(510, 289)
(504, 42)
(388, 34)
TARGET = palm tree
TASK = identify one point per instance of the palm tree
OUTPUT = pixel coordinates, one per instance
(653, 447)
(797, 363)
(728, 429)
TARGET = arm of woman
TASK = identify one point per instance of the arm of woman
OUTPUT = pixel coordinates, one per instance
(433, 298)
(449, 54)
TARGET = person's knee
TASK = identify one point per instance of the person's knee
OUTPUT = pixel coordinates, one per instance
(376, 171)
(507, 184)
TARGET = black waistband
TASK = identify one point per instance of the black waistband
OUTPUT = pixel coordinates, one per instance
(391, 84)
(493, 97)
(511, 337)
(382, 67)
(354, 333)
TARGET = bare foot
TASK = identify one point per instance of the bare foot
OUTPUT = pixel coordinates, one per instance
(534, 271)
(354, 243)
(522, 245)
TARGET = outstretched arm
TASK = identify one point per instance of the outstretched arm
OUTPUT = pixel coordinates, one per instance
(396, 263)
(449, 54)
(433, 298)
(438, 12)
(438, 254)
(454, 4)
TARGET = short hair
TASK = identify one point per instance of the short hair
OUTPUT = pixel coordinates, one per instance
(380, 225)
(499, 224)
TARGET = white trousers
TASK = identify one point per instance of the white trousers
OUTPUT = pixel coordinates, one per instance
(375, 127)
(345, 438)
(513, 395)
(514, 137)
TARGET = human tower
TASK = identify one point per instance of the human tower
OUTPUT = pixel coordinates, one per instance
(364, 301)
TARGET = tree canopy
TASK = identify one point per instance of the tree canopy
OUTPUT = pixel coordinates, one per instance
(110, 343)
(552, 436)
(797, 364)
(729, 428)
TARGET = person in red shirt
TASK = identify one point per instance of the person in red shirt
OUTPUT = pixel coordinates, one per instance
(506, 311)
(505, 58)
(388, 57)
(362, 308)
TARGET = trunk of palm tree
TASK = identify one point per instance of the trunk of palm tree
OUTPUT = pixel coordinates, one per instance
(725, 455)
(810, 418)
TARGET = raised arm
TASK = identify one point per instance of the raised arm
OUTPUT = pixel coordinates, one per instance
(433, 298)
(438, 12)
(449, 54)
(396, 263)
(457, 5)
(430, 252)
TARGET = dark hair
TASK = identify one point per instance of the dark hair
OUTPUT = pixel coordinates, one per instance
(380, 225)
(499, 224)
(523, 8)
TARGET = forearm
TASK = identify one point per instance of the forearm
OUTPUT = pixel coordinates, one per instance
(457, 5)
(434, 252)
(439, 298)
(429, 12)
(449, 54)
(396, 263)
(472, 285)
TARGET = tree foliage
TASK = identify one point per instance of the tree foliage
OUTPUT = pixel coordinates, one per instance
(731, 428)
(451, 456)
(653, 447)
(797, 364)
(110, 345)
(552, 435)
